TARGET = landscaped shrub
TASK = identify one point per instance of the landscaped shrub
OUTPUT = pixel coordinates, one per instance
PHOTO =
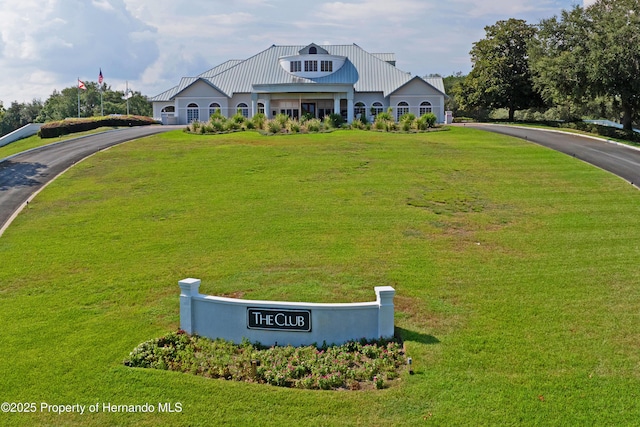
(354, 365)
(313, 125)
(67, 126)
(274, 126)
(282, 123)
(334, 120)
(430, 119)
(259, 120)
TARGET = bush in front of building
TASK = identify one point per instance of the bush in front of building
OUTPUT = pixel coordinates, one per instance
(68, 126)
(283, 124)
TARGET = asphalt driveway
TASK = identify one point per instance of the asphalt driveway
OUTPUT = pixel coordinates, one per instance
(24, 174)
(619, 159)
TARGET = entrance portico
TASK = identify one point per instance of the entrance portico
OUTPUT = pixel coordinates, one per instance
(317, 100)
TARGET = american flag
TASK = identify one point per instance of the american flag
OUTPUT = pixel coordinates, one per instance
(100, 79)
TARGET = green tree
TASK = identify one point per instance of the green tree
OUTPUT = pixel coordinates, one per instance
(451, 83)
(500, 77)
(591, 56)
(18, 115)
(64, 104)
(614, 54)
(558, 58)
(60, 105)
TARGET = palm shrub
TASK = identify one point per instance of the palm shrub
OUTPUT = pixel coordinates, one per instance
(430, 119)
(217, 115)
(258, 121)
(239, 118)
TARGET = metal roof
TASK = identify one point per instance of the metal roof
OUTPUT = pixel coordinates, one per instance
(436, 82)
(366, 71)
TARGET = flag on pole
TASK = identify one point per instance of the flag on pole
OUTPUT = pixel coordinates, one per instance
(100, 79)
(81, 85)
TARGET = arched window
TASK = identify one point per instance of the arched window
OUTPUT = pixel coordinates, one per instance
(376, 108)
(193, 112)
(243, 109)
(403, 108)
(260, 108)
(425, 107)
(359, 110)
(213, 107)
(313, 50)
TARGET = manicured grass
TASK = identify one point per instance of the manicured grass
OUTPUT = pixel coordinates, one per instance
(515, 269)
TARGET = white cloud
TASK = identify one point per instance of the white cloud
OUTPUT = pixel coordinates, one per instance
(368, 10)
(47, 44)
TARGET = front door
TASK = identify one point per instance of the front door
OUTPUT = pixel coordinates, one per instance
(309, 108)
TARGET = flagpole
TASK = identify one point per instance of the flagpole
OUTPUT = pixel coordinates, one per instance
(100, 78)
(78, 89)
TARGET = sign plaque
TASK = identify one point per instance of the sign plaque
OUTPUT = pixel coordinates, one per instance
(279, 319)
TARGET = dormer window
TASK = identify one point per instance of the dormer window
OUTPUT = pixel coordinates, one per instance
(312, 62)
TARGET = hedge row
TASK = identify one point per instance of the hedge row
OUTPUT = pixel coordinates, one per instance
(67, 126)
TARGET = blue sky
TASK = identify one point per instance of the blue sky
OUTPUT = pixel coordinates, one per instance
(47, 44)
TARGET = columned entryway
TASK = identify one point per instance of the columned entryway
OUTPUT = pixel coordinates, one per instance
(298, 100)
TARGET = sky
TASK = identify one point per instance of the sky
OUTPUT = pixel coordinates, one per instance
(46, 45)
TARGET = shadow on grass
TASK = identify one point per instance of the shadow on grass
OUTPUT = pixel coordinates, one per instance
(418, 337)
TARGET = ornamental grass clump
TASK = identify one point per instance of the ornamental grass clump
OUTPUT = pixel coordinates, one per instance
(354, 365)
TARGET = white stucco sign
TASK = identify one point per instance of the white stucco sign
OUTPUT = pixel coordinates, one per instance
(284, 323)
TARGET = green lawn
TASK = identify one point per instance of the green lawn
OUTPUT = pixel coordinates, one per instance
(515, 269)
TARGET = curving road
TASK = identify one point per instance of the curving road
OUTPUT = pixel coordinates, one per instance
(619, 159)
(24, 174)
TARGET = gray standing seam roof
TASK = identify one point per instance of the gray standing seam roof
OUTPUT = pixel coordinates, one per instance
(367, 72)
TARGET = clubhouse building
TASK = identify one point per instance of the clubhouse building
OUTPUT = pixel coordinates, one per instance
(303, 80)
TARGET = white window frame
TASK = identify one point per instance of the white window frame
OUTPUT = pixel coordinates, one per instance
(326, 66)
(377, 108)
(425, 107)
(310, 66)
(244, 109)
(261, 109)
(213, 107)
(401, 109)
(361, 109)
(193, 112)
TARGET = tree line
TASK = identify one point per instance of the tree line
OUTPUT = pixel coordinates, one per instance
(583, 63)
(64, 104)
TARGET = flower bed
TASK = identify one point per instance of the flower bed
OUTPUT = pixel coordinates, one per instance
(355, 365)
